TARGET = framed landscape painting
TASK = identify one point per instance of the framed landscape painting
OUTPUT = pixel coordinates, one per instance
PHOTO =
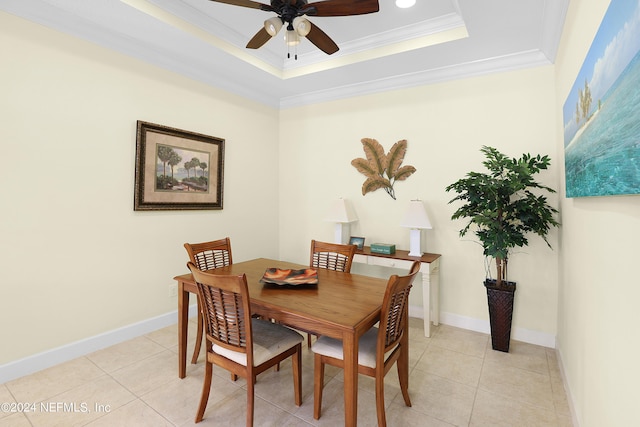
(602, 111)
(177, 169)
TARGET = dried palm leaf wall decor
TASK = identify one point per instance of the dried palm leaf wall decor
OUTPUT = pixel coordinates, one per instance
(382, 170)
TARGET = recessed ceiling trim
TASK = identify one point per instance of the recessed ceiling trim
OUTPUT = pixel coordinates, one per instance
(408, 32)
(377, 52)
(518, 61)
(450, 27)
(176, 22)
(427, 33)
(175, 35)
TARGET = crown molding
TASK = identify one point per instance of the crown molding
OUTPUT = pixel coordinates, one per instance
(518, 61)
(554, 14)
(409, 37)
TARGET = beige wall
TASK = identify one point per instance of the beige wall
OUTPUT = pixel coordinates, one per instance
(599, 292)
(445, 125)
(70, 101)
(76, 260)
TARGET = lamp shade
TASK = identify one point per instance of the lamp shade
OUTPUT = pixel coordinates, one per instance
(291, 38)
(301, 25)
(341, 211)
(416, 216)
(273, 25)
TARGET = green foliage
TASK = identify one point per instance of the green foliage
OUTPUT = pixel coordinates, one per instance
(168, 156)
(200, 183)
(501, 205)
(164, 154)
(165, 182)
(378, 164)
(174, 159)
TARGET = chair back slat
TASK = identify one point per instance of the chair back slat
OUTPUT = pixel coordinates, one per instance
(330, 261)
(398, 304)
(394, 308)
(210, 255)
(225, 316)
(332, 256)
(208, 260)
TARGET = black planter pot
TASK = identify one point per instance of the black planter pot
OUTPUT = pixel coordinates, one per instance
(500, 301)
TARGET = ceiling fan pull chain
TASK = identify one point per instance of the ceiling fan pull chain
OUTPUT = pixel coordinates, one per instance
(295, 52)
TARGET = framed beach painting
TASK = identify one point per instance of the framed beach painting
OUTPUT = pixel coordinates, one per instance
(177, 169)
(358, 241)
(602, 112)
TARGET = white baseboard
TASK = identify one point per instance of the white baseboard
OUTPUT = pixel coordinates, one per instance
(40, 361)
(478, 325)
(472, 324)
(518, 334)
(416, 311)
(46, 359)
(574, 415)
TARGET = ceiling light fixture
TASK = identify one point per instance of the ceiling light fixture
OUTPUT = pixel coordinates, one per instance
(301, 25)
(405, 3)
(273, 25)
(291, 38)
(296, 28)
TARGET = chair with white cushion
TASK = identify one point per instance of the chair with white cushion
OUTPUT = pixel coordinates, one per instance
(330, 256)
(208, 255)
(378, 349)
(239, 343)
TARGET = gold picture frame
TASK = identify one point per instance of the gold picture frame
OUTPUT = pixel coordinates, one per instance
(177, 169)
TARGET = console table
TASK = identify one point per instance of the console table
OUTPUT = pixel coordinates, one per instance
(430, 268)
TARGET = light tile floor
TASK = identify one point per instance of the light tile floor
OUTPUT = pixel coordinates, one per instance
(456, 379)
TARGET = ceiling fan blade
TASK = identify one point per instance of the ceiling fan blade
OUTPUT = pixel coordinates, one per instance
(259, 39)
(246, 3)
(322, 40)
(342, 7)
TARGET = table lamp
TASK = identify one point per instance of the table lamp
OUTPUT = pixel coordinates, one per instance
(416, 219)
(342, 214)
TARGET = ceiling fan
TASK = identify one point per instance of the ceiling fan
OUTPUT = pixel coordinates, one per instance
(293, 13)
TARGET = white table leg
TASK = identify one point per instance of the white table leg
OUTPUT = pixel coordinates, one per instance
(426, 298)
(430, 279)
(434, 272)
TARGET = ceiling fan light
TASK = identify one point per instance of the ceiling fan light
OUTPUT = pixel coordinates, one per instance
(301, 25)
(405, 3)
(273, 25)
(291, 38)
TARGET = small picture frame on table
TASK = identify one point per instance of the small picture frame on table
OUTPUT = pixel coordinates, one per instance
(358, 241)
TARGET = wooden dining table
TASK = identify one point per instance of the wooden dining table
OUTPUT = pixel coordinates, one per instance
(341, 305)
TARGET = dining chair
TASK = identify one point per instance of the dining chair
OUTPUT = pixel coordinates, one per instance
(206, 256)
(330, 256)
(378, 349)
(237, 342)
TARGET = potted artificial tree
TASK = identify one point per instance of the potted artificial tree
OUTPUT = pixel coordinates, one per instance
(502, 210)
